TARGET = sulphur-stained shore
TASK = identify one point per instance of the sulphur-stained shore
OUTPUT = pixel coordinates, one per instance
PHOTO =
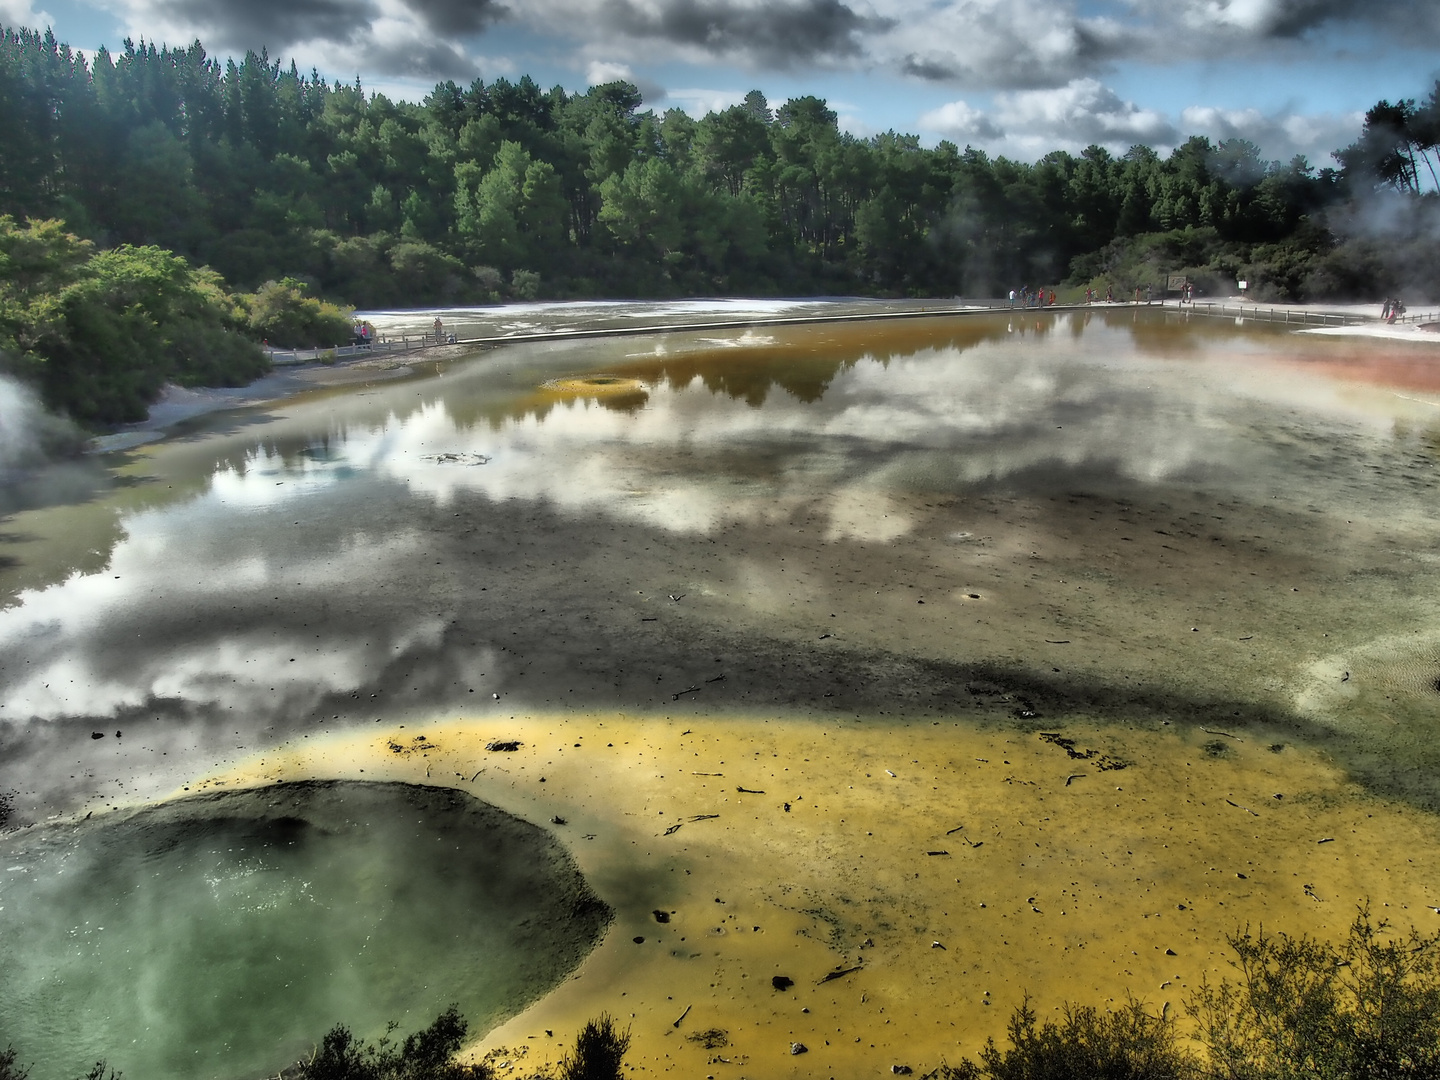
(914, 879)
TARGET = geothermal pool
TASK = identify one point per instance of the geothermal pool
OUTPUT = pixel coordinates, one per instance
(215, 935)
(1118, 614)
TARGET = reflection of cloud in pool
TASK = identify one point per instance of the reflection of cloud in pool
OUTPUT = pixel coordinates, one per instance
(688, 461)
(167, 570)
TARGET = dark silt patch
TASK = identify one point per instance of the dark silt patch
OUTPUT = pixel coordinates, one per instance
(221, 935)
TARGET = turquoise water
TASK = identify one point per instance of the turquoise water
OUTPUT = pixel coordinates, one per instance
(222, 936)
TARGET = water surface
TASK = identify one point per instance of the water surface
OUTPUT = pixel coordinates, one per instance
(1122, 517)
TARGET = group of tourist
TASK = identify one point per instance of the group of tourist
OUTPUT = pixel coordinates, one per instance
(1143, 295)
(364, 332)
(1391, 311)
(1026, 298)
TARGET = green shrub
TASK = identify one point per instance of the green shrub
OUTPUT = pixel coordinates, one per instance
(1365, 1009)
(425, 1055)
(599, 1049)
(283, 315)
(1131, 1043)
(8, 1069)
(99, 333)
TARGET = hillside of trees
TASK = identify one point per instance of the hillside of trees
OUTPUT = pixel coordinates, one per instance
(504, 189)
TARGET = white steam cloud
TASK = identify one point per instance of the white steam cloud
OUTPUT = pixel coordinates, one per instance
(21, 420)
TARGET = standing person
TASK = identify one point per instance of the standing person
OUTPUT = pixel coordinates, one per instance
(1109, 294)
(1012, 298)
(1385, 310)
(439, 330)
(1149, 293)
(1052, 297)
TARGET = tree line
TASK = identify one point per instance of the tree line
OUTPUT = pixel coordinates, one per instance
(504, 189)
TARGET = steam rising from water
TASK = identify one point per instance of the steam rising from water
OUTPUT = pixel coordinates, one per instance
(19, 412)
(28, 434)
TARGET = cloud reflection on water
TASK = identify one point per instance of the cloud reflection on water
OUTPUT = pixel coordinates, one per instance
(265, 593)
(694, 458)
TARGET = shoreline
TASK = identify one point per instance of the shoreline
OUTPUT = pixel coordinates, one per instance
(179, 405)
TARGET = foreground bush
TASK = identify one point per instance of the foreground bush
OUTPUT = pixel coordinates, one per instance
(599, 1049)
(9, 1070)
(425, 1055)
(1084, 1044)
(430, 1055)
(1365, 1009)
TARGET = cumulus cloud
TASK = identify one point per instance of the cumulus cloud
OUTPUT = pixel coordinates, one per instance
(600, 72)
(406, 39)
(1081, 113)
(20, 13)
(1029, 123)
(1272, 19)
(970, 44)
(457, 16)
(1279, 135)
(698, 101)
(759, 34)
(997, 44)
(275, 23)
(963, 123)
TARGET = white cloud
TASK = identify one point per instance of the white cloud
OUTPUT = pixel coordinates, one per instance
(1078, 114)
(600, 72)
(1279, 135)
(961, 122)
(1027, 124)
(996, 43)
(20, 13)
(698, 101)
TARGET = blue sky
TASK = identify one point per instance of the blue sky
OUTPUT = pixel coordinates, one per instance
(1008, 76)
